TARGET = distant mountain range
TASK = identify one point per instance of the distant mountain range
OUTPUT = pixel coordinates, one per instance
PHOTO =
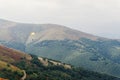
(64, 44)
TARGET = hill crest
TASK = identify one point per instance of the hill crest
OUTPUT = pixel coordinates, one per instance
(12, 31)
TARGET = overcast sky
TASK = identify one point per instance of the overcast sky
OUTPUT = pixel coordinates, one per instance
(99, 17)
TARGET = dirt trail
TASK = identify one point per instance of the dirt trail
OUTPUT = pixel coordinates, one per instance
(24, 76)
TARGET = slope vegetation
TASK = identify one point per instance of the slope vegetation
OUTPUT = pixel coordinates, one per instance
(34, 69)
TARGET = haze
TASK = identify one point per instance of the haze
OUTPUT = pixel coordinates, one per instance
(98, 17)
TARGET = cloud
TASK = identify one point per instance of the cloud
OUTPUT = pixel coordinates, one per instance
(98, 17)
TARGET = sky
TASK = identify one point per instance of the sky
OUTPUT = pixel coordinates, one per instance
(98, 17)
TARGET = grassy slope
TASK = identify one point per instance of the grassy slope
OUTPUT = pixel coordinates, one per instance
(20, 32)
(36, 71)
(9, 71)
(8, 66)
(92, 55)
(7, 58)
(11, 55)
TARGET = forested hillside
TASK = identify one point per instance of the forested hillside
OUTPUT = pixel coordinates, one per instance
(30, 67)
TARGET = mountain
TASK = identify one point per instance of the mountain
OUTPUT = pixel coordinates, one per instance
(31, 67)
(63, 44)
(27, 33)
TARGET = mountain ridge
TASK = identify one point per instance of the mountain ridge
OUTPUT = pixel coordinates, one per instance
(49, 31)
